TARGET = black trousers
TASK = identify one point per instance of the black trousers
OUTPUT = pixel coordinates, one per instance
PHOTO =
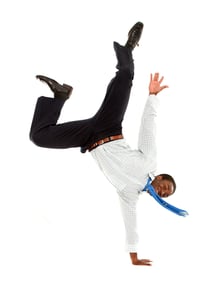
(45, 131)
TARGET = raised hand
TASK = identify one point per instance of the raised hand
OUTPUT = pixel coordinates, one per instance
(155, 84)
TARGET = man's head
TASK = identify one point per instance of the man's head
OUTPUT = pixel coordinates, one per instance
(164, 185)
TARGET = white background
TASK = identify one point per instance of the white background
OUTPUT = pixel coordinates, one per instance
(61, 230)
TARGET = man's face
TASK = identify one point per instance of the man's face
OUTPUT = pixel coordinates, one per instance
(163, 187)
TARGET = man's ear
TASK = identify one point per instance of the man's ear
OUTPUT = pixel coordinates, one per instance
(159, 177)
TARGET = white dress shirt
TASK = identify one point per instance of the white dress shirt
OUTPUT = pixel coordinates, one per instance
(128, 169)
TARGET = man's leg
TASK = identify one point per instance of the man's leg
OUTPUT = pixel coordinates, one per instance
(111, 113)
(45, 131)
(109, 118)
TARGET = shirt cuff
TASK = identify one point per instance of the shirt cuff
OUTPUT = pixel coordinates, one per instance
(131, 248)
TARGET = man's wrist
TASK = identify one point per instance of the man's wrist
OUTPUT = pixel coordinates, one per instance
(133, 257)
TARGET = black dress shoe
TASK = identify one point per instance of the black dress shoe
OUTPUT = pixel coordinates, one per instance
(64, 90)
(134, 35)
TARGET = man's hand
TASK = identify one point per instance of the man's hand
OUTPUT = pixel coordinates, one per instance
(155, 86)
(136, 261)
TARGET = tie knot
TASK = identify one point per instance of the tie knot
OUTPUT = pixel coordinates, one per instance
(148, 185)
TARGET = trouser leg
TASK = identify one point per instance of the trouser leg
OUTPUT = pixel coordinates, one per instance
(45, 131)
(46, 113)
(109, 117)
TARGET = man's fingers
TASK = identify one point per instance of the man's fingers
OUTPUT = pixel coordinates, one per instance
(141, 261)
(164, 86)
(161, 80)
(146, 262)
(156, 76)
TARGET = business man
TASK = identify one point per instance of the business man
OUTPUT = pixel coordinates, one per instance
(128, 170)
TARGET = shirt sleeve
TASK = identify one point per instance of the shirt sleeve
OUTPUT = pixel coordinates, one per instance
(147, 132)
(128, 203)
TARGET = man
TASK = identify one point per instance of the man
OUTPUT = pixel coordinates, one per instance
(128, 170)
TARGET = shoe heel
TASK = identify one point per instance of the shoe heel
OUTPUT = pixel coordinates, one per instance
(69, 87)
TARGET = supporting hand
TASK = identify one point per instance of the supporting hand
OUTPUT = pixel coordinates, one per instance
(155, 84)
(136, 261)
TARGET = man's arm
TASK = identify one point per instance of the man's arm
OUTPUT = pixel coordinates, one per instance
(147, 133)
(128, 201)
(147, 136)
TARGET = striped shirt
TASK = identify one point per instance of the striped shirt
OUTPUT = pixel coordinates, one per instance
(128, 169)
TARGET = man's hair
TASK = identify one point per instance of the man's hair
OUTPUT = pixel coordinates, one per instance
(169, 178)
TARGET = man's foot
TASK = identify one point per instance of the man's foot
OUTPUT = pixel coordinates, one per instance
(134, 35)
(64, 90)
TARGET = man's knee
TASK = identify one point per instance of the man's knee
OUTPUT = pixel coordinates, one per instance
(38, 139)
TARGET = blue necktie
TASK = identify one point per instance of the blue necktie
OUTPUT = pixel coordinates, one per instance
(162, 202)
